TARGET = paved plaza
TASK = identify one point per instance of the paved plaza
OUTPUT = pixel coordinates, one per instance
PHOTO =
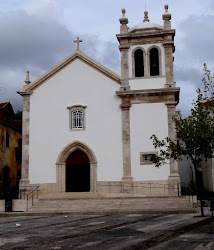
(117, 231)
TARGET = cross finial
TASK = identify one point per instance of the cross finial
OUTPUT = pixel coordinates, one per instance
(78, 41)
(146, 19)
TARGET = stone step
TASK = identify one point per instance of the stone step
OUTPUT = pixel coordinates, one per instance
(111, 205)
(83, 195)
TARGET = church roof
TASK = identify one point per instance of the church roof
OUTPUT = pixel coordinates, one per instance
(3, 105)
(28, 88)
(145, 25)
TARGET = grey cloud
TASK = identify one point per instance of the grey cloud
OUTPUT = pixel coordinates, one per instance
(111, 57)
(28, 40)
(193, 50)
(189, 74)
(35, 44)
(106, 53)
(197, 42)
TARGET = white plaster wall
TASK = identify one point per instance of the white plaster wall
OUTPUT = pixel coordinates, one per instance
(78, 83)
(145, 82)
(147, 119)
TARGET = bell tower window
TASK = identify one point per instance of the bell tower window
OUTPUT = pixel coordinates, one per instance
(154, 62)
(139, 63)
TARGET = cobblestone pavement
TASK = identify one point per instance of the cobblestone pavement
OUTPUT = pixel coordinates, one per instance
(119, 231)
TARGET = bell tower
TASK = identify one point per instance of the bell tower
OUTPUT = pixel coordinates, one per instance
(146, 53)
(147, 78)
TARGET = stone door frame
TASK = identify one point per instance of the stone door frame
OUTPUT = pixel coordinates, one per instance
(61, 165)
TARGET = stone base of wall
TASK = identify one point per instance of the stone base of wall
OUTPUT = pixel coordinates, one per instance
(144, 188)
(17, 205)
(113, 188)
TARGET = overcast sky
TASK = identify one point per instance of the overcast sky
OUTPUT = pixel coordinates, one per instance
(37, 34)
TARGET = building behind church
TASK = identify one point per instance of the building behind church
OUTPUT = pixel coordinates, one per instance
(87, 130)
(10, 149)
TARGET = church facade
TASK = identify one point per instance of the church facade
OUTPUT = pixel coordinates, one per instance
(85, 129)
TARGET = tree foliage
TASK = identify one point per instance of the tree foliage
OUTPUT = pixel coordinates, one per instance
(18, 115)
(195, 132)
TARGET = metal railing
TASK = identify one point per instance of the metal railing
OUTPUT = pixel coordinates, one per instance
(25, 190)
(139, 188)
(27, 193)
(31, 195)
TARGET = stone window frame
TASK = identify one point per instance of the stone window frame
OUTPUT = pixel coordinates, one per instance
(74, 108)
(144, 61)
(160, 60)
(142, 162)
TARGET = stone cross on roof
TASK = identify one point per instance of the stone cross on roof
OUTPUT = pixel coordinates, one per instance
(77, 42)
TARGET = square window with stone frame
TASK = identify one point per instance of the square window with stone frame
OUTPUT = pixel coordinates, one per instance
(147, 158)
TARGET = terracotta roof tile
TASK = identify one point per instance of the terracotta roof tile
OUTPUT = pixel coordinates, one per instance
(209, 102)
(3, 104)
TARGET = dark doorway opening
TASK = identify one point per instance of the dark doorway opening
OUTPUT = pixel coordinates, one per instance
(78, 172)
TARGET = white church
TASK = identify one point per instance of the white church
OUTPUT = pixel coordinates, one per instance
(87, 130)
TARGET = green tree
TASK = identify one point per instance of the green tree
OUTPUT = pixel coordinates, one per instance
(18, 115)
(196, 132)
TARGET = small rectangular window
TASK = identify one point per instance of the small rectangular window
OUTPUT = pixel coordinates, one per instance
(146, 158)
(77, 117)
(7, 140)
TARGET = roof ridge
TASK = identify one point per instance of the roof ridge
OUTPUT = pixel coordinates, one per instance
(27, 89)
(3, 104)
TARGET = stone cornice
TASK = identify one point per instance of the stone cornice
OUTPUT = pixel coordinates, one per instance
(148, 91)
(146, 33)
(154, 95)
(124, 47)
(168, 43)
(77, 106)
(125, 105)
(171, 104)
(24, 93)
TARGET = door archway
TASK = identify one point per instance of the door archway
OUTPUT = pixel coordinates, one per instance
(63, 158)
(78, 172)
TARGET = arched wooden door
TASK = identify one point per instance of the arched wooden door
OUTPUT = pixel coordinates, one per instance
(78, 172)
